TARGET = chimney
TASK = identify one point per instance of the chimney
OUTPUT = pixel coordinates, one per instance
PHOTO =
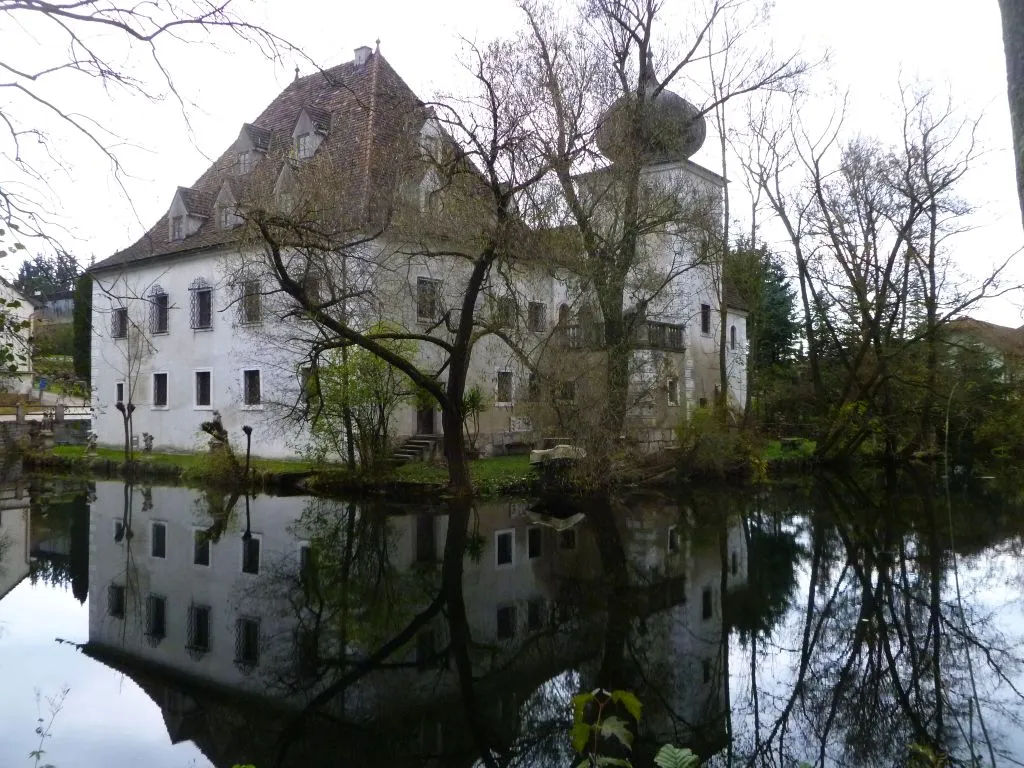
(362, 54)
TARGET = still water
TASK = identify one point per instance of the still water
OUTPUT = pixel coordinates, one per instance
(835, 622)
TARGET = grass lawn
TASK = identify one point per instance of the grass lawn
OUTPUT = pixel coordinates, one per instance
(490, 476)
(195, 463)
(487, 474)
(773, 450)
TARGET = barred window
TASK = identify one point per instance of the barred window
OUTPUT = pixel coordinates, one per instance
(505, 312)
(116, 601)
(304, 146)
(201, 314)
(705, 319)
(537, 316)
(159, 310)
(158, 541)
(250, 302)
(428, 299)
(247, 642)
(156, 617)
(119, 323)
(199, 628)
(244, 163)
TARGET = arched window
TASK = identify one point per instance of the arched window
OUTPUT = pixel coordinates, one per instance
(732, 337)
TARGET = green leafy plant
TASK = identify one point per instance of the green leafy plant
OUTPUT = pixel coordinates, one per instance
(598, 728)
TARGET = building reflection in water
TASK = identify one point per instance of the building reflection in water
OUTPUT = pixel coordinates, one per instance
(234, 613)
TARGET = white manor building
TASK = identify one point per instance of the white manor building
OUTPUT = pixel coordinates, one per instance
(183, 328)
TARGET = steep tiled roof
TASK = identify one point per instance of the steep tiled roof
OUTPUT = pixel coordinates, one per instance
(368, 109)
(998, 337)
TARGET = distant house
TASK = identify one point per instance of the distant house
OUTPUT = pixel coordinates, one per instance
(1003, 346)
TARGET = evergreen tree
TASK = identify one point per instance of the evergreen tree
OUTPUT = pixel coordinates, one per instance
(82, 323)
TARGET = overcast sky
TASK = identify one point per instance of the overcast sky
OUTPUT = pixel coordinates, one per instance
(953, 44)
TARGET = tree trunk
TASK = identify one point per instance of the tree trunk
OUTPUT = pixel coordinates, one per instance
(1012, 12)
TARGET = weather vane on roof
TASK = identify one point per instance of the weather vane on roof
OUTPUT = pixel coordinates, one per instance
(378, 45)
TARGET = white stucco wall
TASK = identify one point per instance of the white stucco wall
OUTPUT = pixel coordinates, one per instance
(226, 350)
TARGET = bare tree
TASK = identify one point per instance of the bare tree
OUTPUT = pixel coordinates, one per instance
(94, 46)
(420, 255)
(867, 225)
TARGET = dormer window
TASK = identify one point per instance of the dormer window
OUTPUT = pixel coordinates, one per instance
(177, 228)
(244, 163)
(226, 217)
(304, 146)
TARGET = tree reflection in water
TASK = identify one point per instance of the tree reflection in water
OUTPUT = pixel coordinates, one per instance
(818, 623)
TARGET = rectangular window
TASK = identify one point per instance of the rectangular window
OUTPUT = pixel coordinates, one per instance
(252, 393)
(247, 642)
(177, 228)
(156, 617)
(160, 313)
(506, 621)
(159, 390)
(703, 402)
(534, 542)
(505, 312)
(251, 555)
(734, 563)
(158, 540)
(504, 548)
(252, 310)
(537, 317)
(119, 323)
(535, 615)
(428, 299)
(706, 606)
(307, 564)
(202, 308)
(307, 652)
(119, 530)
(199, 628)
(426, 648)
(203, 399)
(504, 388)
(304, 146)
(309, 385)
(115, 601)
(200, 548)
(119, 392)
(225, 217)
(533, 387)
(705, 666)
(673, 391)
(244, 163)
(673, 540)
(705, 319)
(567, 539)
(675, 337)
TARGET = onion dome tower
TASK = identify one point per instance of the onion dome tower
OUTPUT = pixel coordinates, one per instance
(670, 128)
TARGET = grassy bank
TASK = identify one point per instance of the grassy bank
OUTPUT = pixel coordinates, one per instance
(493, 476)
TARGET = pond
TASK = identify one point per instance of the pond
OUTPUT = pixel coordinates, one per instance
(862, 621)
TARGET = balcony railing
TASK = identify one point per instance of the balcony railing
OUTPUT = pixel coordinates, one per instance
(649, 335)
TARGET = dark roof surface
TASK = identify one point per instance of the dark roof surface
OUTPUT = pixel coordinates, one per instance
(368, 107)
(999, 337)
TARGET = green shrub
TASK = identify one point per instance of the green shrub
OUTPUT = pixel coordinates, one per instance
(709, 448)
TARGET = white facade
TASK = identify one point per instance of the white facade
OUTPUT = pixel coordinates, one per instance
(15, 533)
(223, 350)
(514, 584)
